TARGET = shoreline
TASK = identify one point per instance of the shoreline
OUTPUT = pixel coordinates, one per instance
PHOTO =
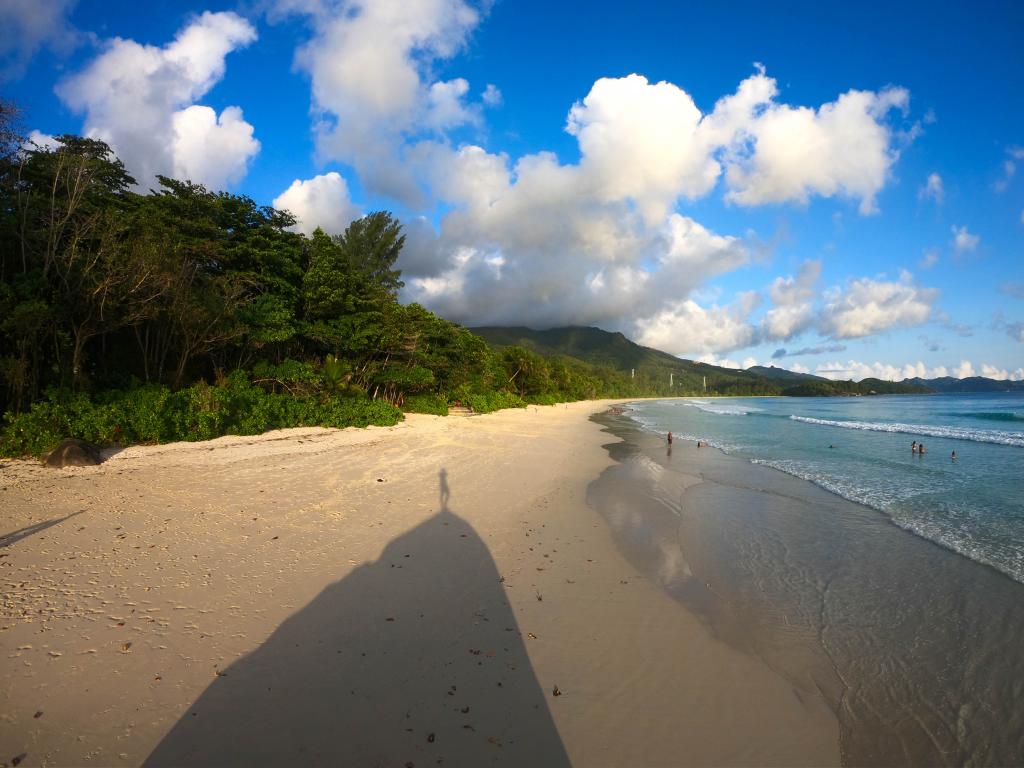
(887, 517)
(458, 554)
(834, 595)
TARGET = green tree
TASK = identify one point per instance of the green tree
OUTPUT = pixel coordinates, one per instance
(67, 212)
(371, 246)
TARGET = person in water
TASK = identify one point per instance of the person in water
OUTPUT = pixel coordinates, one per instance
(913, 447)
(920, 449)
(953, 456)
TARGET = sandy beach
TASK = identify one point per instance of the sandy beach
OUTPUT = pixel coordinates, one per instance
(434, 593)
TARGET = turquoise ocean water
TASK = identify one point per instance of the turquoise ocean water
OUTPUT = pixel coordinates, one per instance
(860, 448)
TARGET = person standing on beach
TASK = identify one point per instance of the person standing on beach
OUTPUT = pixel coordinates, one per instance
(670, 438)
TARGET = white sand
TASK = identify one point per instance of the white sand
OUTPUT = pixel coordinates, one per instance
(262, 584)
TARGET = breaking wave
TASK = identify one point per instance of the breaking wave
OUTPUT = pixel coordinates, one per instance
(998, 437)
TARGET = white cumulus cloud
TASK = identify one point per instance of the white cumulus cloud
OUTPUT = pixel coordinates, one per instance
(964, 370)
(867, 306)
(793, 310)
(370, 68)
(779, 153)
(994, 372)
(41, 140)
(857, 370)
(210, 148)
(639, 141)
(322, 201)
(725, 362)
(140, 99)
(686, 327)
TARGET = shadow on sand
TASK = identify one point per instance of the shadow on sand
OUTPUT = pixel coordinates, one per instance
(31, 530)
(415, 659)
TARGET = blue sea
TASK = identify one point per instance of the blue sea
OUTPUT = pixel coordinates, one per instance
(860, 448)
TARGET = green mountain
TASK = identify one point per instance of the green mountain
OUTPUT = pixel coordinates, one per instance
(651, 368)
(590, 344)
(654, 369)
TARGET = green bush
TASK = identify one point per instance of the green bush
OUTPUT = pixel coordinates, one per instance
(427, 403)
(153, 414)
(493, 401)
(141, 414)
(291, 375)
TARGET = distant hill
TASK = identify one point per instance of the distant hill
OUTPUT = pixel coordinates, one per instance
(614, 350)
(655, 368)
(970, 384)
(586, 343)
(781, 374)
(944, 384)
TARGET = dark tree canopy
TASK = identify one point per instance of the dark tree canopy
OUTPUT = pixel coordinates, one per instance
(371, 246)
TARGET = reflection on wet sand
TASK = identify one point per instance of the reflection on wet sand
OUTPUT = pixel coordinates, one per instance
(915, 648)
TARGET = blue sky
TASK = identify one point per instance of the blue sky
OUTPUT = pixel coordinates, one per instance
(837, 190)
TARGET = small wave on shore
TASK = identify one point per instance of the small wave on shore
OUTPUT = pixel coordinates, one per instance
(948, 530)
(721, 409)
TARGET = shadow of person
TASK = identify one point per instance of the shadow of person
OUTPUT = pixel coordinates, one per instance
(415, 659)
(30, 530)
(445, 491)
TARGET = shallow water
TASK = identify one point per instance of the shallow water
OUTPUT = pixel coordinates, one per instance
(916, 648)
(859, 448)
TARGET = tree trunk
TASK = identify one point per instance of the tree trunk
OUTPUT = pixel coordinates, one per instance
(77, 378)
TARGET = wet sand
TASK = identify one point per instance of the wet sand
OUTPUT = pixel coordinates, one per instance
(915, 648)
(438, 592)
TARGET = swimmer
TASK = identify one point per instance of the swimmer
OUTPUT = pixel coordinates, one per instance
(920, 449)
(913, 447)
(953, 456)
